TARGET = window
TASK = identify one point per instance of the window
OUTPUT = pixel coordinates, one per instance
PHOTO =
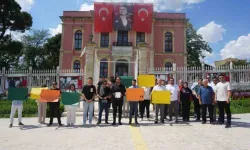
(104, 68)
(77, 65)
(104, 40)
(168, 42)
(140, 37)
(168, 66)
(78, 40)
(122, 38)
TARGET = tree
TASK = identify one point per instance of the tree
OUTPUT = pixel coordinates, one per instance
(195, 46)
(11, 19)
(240, 62)
(52, 48)
(33, 53)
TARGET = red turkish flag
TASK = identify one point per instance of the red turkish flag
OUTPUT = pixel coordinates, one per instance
(103, 17)
(143, 17)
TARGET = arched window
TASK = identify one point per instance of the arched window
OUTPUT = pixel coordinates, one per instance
(168, 42)
(104, 68)
(78, 40)
(77, 65)
(168, 66)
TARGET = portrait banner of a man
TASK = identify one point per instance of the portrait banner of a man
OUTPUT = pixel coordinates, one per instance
(123, 17)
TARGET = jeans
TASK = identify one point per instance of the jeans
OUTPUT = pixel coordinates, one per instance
(185, 111)
(103, 105)
(142, 106)
(87, 109)
(173, 105)
(133, 109)
(13, 112)
(223, 105)
(160, 107)
(42, 108)
(197, 108)
(71, 114)
(204, 112)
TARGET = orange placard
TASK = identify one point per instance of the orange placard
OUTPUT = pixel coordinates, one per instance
(49, 95)
(135, 94)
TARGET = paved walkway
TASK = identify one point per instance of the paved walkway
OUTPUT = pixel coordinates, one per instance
(169, 136)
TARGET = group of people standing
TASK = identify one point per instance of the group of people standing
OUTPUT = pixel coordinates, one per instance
(205, 95)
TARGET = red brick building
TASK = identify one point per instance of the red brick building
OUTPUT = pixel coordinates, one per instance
(162, 47)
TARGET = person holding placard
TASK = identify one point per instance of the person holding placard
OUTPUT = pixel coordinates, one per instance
(186, 98)
(175, 100)
(117, 92)
(88, 95)
(160, 107)
(133, 106)
(145, 104)
(16, 105)
(42, 109)
(71, 109)
(104, 98)
(54, 108)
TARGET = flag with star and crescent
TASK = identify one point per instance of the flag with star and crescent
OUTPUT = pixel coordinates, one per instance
(103, 16)
(143, 17)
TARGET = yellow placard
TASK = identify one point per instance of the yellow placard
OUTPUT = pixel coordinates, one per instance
(35, 93)
(146, 80)
(161, 97)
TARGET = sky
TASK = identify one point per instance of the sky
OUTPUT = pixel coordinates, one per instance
(224, 24)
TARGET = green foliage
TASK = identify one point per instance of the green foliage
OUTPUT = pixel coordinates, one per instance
(12, 19)
(195, 46)
(240, 106)
(29, 108)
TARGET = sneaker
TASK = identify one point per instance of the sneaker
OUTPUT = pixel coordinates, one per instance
(120, 123)
(156, 122)
(170, 120)
(11, 125)
(84, 125)
(203, 122)
(21, 124)
(72, 124)
(228, 126)
(113, 124)
(59, 125)
(162, 121)
(136, 123)
(50, 124)
(98, 123)
(106, 122)
(198, 120)
(68, 125)
(130, 123)
(43, 122)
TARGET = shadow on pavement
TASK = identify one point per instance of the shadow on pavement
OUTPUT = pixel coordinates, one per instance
(240, 124)
(28, 127)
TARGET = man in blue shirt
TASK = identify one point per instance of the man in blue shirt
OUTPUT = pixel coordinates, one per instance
(133, 106)
(206, 99)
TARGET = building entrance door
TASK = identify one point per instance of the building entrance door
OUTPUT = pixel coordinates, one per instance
(121, 67)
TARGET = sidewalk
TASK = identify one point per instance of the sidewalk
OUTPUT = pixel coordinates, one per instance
(149, 136)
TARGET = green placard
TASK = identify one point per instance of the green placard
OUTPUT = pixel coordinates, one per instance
(127, 81)
(69, 98)
(17, 93)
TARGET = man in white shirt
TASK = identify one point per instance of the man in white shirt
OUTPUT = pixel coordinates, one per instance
(160, 107)
(175, 100)
(223, 94)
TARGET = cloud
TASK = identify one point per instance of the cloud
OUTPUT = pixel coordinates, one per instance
(239, 48)
(26, 4)
(54, 31)
(212, 32)
(159, 5)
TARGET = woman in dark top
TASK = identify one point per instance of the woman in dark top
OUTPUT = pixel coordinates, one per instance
(186, 98)
(104, 98)
(54, 108)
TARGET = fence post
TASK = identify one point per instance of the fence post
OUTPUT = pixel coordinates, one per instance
(174, 73)
(58, 76)
(203, 70)
(29, 79)
(230, 72)
(3, 78)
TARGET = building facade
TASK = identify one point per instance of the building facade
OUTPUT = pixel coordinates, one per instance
(120, 52)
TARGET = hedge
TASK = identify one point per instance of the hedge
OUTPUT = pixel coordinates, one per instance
(29, 109)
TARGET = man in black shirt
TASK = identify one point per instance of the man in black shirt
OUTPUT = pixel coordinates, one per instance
(117, 93)
(54, 108)
(88, 95)
(104, 98)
